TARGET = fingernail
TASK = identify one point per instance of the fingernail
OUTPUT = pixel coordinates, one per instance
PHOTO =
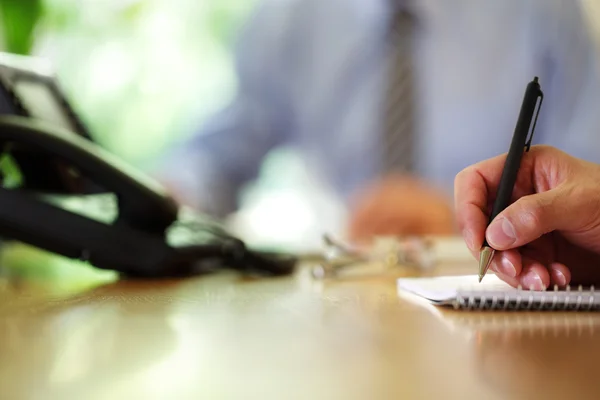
(494, 266)
(533, 281)
(508, 268)
(560, 278)
(501, 233)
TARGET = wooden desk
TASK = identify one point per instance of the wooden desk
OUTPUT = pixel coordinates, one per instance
(222, 337)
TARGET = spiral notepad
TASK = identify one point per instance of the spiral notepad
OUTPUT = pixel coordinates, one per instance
(464, 292)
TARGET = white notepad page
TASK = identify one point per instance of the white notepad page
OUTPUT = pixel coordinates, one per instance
(445, 288)
(466, 292)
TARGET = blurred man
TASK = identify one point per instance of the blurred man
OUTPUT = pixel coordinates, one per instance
(388, 100)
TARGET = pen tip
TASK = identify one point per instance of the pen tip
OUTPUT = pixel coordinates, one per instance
(485, 258)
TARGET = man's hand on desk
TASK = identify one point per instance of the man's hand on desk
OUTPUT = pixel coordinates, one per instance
(551, 233)
(400, 205)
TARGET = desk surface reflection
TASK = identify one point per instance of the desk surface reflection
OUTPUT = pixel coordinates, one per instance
(222, 336)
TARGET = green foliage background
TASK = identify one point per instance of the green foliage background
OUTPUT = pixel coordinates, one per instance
(142, 73)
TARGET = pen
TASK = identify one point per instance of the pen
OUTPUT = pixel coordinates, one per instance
(521, 142)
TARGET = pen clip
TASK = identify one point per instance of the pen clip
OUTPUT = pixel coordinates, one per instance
(530, 138)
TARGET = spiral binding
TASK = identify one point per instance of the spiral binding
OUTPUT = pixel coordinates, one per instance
(525, 300)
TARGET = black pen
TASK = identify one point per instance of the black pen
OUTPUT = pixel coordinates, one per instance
(520, 144)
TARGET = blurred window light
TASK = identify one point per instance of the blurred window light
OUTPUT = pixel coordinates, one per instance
(143, 73)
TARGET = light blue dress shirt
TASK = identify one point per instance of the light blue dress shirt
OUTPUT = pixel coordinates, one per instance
(313, 75)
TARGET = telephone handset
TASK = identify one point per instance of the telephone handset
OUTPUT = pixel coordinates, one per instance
(137, 242)
(142, 202)
(150, 236)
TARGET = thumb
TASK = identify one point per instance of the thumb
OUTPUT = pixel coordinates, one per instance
(533, 216)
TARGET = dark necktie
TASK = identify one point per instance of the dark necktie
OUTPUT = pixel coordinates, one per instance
(399, 126)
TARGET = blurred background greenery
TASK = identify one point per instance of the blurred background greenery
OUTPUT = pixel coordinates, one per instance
(168, 61)
(142, 74)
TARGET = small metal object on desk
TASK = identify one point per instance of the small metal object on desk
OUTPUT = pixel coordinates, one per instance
(387, 254)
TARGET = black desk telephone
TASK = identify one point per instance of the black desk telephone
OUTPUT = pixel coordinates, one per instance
(150, 235)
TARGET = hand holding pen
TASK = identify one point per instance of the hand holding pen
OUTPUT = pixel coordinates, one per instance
(550, 234)
(520, 143)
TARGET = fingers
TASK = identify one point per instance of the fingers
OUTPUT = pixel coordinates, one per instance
(532, 216)
(543, 169)
(536, 276)
(474, 190)
(543, 252)
(507, 263)
(560, 275)
(471, 203)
